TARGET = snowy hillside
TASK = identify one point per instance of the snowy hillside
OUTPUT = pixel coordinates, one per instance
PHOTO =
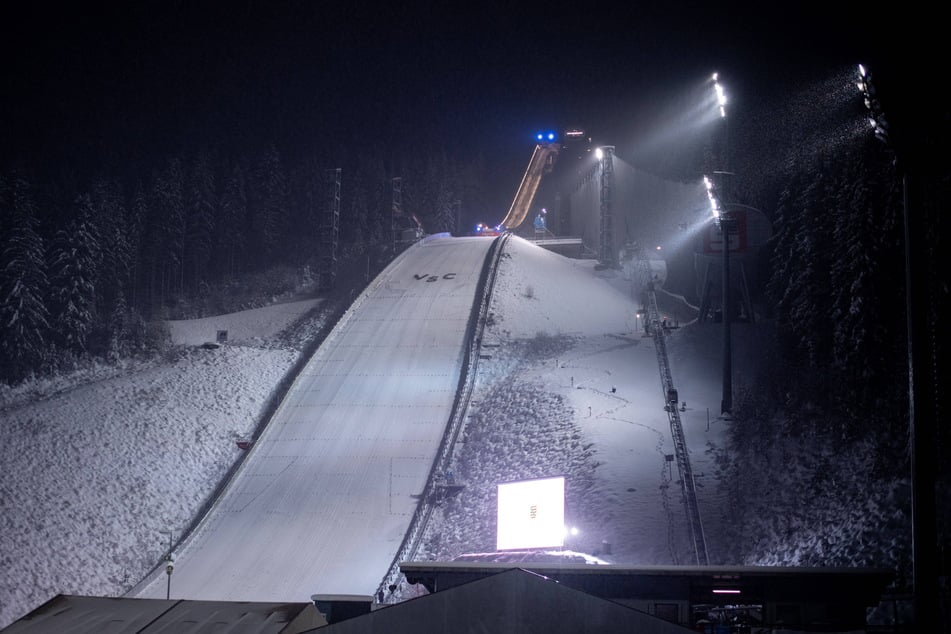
(568, 385)
(99, 467)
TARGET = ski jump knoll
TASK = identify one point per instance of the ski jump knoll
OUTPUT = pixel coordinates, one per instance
(323, 500)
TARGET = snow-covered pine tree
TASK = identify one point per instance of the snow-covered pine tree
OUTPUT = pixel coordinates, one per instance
(201, 203)
(166, 232)
(307, 207)
(785, 262)
(808, 296)
(269, 212)
(232, 224)
(110, 218)
(136, 217)
(378, 199)
(23, 284)
(73, 273)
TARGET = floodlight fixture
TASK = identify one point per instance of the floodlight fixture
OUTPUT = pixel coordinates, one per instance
(720, 94)
(876, 115)
(712, 197)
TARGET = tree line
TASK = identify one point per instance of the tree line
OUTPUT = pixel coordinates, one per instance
(836, 288)
(820, 441)
(85, 272)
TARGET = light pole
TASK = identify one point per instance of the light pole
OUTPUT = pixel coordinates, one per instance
(721, 150)
(607, 255)
(922, 363)
(726, 223)
(168, 566)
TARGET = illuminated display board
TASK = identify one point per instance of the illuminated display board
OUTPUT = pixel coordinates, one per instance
(531, 514)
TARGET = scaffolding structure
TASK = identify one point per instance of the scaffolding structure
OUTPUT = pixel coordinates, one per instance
(607, 254)
(396, 209)
(688, 488)
(330, 231)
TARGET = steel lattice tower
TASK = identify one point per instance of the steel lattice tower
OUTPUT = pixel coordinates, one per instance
(396, 209)
(329, 231)
(607, 255)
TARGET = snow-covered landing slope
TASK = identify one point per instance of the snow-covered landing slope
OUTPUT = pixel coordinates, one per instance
(567, 385)
(324, 499)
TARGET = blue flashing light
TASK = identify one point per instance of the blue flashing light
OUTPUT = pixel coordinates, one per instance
(551, 136)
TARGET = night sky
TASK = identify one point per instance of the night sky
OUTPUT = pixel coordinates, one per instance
(93, 83)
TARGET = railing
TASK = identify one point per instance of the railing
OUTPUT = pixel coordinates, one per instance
(424, 510)
(529, 185)
(658, 331)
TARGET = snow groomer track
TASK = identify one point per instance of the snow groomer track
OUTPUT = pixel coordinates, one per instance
(323, 501)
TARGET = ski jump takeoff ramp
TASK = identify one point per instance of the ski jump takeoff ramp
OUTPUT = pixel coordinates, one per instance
(325, 496)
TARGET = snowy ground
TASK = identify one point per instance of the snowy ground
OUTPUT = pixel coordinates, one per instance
(97, 465)
(98, 468)
(568, 385)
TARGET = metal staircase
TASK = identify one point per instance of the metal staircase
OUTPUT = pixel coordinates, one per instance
(658, 330)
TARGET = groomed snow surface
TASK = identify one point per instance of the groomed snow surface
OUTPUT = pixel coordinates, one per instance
(326, 495)
(100, 466)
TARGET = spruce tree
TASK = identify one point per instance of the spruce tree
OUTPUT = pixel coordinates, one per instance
(269, 211)
(110, 219)
(202, 201)
(308, 208)
(23, 315)
(73, 273)
(232, 225)
(168, 228)
(137, 215)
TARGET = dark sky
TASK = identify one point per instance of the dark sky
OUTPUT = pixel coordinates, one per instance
(97, 81)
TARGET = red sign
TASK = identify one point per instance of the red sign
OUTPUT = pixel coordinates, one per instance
(713, 237)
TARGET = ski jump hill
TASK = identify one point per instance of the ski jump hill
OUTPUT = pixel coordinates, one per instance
(324, 499)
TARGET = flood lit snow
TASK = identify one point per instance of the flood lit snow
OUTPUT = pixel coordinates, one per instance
(103, 468)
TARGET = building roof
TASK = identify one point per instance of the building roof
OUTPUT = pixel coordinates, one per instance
(511, 601)
(121, 615)
(838, 595)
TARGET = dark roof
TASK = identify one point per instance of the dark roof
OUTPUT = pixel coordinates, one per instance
(94, 615)
(512, 601)
(847, 586)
